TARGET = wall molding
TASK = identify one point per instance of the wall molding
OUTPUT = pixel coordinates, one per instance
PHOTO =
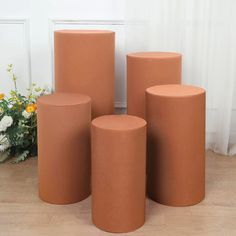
(85, 22)
(24, 22)
(120, 105)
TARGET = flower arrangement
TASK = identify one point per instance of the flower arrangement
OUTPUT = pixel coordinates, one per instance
(18, 122)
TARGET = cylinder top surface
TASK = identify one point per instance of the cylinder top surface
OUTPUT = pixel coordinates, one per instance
(84, 31)
(118, 122)
(154, 55)
(64, 99)
(175, 90)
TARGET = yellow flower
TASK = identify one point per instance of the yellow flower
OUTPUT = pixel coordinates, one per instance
(31, 108)
(2, 95)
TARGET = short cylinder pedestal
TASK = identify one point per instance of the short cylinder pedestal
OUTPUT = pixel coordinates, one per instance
(176, 144)
(118, 172)
(84, 63)
(146, 69)
(64, 147)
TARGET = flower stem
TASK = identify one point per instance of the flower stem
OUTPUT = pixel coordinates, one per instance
(14, 80)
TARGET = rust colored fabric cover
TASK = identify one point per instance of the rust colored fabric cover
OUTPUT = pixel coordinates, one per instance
(118, 172)
(64, 147)
(84, 63)
(176, 144)
(146, 69)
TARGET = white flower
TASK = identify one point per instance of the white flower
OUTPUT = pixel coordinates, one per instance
(4, 143)
(10, 106)
(5, 122)
(47, 89)
(26, 114)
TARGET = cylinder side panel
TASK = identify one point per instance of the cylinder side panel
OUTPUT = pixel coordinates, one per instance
(176, 149)
(144, 73)
(118, 179)
(64, 153)
(85, 64)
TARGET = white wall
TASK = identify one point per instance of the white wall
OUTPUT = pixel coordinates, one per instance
(26, 36)
(26, 40)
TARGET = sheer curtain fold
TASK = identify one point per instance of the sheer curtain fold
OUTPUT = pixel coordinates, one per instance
(204, 32)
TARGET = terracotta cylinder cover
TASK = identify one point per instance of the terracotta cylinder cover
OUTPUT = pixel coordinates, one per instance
(84, 63)
(176, 144)
(64, 147)
(118, 172)
(146, 69)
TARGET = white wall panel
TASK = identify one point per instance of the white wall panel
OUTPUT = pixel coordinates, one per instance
(14, 49)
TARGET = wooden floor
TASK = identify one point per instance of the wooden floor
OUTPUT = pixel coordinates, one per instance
(22, 213)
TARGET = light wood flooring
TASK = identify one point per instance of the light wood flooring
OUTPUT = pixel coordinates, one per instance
(22, 213)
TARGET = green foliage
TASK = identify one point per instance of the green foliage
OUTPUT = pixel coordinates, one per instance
(4, 156)
(18, 122)
(21, 157)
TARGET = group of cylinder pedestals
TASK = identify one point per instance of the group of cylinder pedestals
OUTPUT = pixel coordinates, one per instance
(158, 147)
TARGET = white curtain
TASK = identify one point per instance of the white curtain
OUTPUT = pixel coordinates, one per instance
(204, 31)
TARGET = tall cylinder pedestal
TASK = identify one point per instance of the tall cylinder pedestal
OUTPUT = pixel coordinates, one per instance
(146, 69)
(118, 172)
(64, 147)
(84, 63)
(176, 144)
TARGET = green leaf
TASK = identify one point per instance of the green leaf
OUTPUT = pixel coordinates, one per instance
(21, 157)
